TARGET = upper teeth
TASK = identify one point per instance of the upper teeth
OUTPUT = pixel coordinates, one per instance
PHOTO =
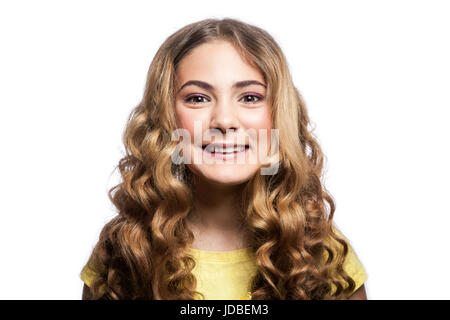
(226, 150)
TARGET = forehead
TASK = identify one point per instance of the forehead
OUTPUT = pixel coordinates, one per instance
(217, 61)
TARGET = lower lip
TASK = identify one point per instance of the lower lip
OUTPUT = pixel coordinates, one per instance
(231, 155)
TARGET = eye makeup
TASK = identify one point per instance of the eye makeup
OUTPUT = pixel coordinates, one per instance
(195, 96)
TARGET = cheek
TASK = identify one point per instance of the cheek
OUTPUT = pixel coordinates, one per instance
(186, 119)
(258, 119)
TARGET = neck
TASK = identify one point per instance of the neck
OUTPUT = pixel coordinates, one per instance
(216, 206)
(216, 221)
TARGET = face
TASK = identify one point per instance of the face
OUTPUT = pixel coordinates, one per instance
(220, 98)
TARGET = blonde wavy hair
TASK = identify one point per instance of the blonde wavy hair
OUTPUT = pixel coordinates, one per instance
(289, 214)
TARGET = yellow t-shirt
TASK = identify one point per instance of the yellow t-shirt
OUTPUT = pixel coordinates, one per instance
(352, 265)
(226, 275)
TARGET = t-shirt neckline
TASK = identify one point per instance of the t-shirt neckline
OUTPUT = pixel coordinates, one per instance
(236, 255)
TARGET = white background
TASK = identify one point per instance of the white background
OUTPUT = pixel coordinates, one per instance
(375, 76)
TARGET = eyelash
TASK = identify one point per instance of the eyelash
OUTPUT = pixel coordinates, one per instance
(261, 98)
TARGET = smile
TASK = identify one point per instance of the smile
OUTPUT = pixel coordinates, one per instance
(218, 152)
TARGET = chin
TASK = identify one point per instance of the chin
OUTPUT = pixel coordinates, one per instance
(226, 175)
(227, 182)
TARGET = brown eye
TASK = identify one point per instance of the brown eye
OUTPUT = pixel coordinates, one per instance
(252, 98)
(195, 99)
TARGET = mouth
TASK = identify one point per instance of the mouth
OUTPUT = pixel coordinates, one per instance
(225, 150)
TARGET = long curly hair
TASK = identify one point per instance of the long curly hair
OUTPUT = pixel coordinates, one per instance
(289, 214)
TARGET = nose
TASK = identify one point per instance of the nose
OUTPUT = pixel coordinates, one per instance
(224, 117)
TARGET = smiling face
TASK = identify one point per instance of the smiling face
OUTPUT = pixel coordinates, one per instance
(225, 97)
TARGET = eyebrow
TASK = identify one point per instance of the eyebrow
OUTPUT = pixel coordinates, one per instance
(207, 86)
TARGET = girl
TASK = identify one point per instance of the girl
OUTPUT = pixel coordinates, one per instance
(221, 227)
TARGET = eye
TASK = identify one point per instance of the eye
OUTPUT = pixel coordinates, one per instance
(195, 99)
(250, 98)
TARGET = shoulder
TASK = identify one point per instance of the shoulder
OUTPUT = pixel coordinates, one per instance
(92, 269)
(352, 264)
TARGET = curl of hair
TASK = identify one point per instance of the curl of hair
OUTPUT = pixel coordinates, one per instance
(142, 249)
